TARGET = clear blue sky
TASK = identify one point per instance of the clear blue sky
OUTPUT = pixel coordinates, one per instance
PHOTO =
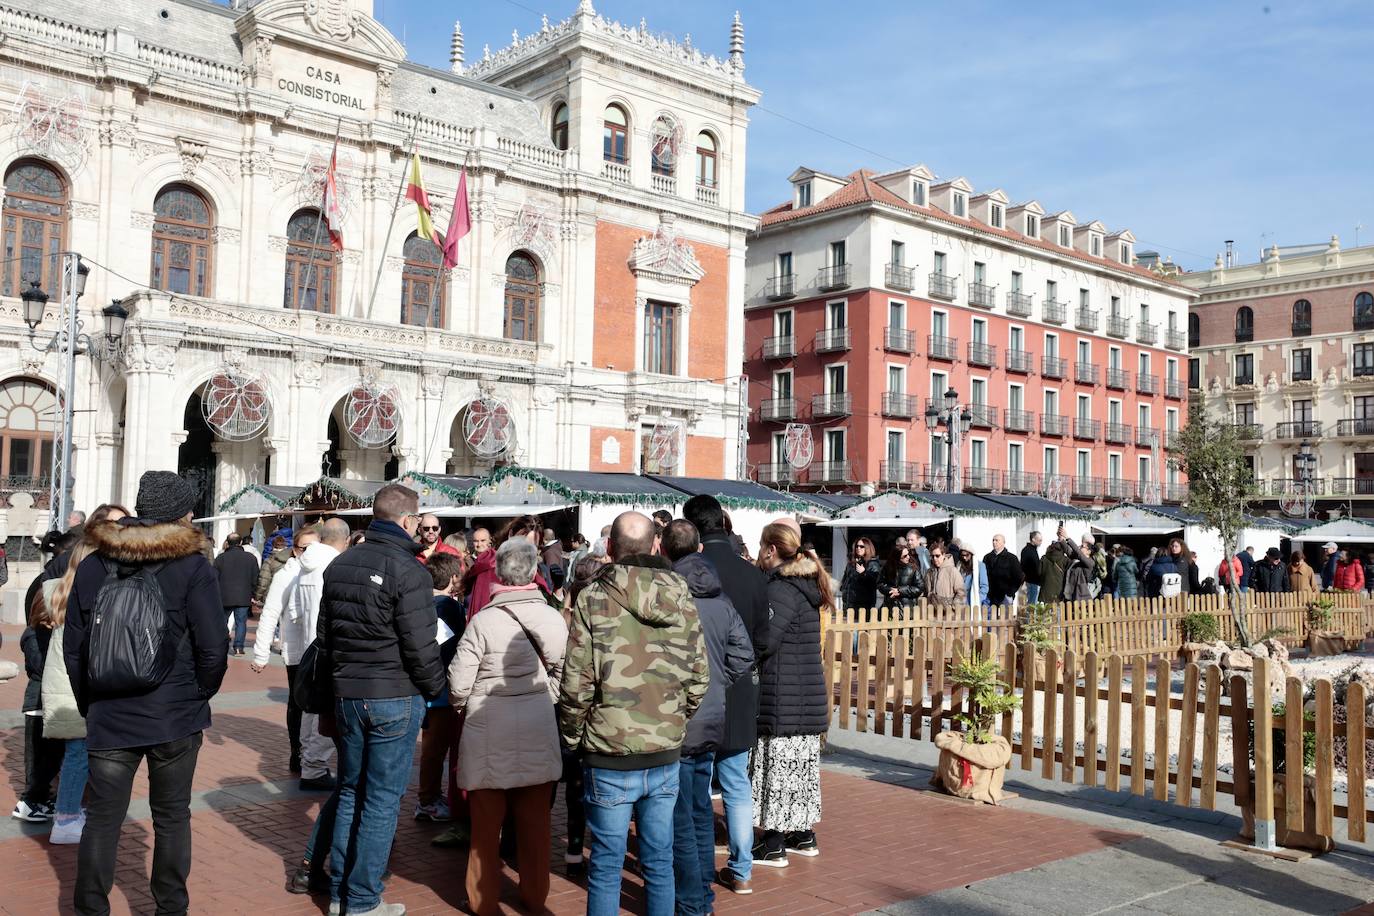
(1186, 123)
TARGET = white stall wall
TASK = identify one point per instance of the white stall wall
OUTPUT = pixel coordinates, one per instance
(975, 532)
(1206, 543)
(1261, 539)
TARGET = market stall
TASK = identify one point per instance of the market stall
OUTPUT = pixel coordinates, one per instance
(1036, 513)
(1141, 527)
(751, 505)
(240, 512)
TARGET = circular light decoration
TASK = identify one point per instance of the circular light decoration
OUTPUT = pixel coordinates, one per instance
(488, 427)
(1296, 501)
(664, 450)
(235, 405)
(798, 447)
(372, 414)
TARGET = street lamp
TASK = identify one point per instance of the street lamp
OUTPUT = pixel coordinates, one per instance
(1307, 463)
(956, 423)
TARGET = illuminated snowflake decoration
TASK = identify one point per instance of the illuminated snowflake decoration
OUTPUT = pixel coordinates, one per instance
(51, 126)
(310, 182)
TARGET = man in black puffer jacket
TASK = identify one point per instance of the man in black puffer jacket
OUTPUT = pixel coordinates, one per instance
(729, 655)
(377, 626)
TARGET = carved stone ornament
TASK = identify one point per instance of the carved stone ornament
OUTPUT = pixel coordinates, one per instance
(80, 209)
(307, 371)
(141, 220)
(432, 382)
(332, 18)
(192, 153)
(226, 235)
(277, 244)
(262, 52)
(32, 360)
(532, 227)
(151, 357)
(666, 256)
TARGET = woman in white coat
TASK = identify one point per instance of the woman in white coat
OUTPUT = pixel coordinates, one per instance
(505, 679)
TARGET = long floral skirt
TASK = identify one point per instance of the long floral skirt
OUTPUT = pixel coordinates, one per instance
(786, 775)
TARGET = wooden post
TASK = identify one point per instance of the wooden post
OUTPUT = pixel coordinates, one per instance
(1292, 752)
(937, 687)
(1114, 724)
(1211, 733)
(899, 685)
(1242, 787)
(1138, 726)
(1263, 717)
(1090, 671)
(861, 704)
(918, 686)
(1051, 685)
(1009, 670)
(1325, 759)
(1161, 780)
(1070, 709)
(880, 683)
(1028, 707)
(1355, 761)
(1183, 787)
(846, 675)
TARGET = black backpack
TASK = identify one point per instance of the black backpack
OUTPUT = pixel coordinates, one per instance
(127, 649)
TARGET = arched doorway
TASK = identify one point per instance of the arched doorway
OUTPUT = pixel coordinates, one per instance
(197, 462)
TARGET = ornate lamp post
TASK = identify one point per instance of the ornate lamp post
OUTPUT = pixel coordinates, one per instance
(956, 423)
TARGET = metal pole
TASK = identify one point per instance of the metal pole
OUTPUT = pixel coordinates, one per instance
(391, 223)
(60, 484)
(315, 242)
(949, 452)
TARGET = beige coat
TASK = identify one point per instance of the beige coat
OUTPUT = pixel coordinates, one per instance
(1303, 578)
(61, 718)
(510, 732)
(945, 584)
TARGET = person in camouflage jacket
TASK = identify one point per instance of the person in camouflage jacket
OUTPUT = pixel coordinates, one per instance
(635, 671)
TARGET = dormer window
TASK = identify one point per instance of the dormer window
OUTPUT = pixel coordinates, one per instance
(918, 192)
(1032, 226)
(1125, 253)
(960, 204)
(1065, 237)
(996, 221)
(803, 195)
(1095, 245)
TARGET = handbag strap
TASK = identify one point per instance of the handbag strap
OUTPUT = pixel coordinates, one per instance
(534, 643)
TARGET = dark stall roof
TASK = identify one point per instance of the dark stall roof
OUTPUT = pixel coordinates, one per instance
(736, 494)
(1039, 506)
(594, 486)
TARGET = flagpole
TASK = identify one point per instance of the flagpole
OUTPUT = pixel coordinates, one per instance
(315, 244)
(429, 316)
(391, 223)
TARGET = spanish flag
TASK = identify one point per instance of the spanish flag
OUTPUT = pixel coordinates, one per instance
(415, 191)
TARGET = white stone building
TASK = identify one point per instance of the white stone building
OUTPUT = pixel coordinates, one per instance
(179, 146)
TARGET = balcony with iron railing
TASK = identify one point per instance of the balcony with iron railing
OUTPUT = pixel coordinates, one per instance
(982, 295)
(1173, 388)
(1247, 431)
(1175, 492)
(778, 409)
(1118, 326)
(37, 488)
(1019, 305)
(1298, 429)
(1351, 428)
(1146, 332)
(1118, 378)
(1244, 379)
(1147, 384)
(981, 479)
(1146, 436)
(777, 473)
(1282, 486)
(940, 347)
(1352, 486)
(1119, 489)
(830, 472)
(1173, 439)
(1085, 373)
(1118, 433)
(1020, 482)
(1053, 311)
(1086, 428)
(832, 340)
(900, 404)
(1086, 319)
(1245, 333)
(899, 340)
(982, 354)
(782, 346)
(781, 287)
(1087, 487)
(829, 279)
(899, 473)
(1301, 328)
(1362, 369)
(1054, 424)
(1300, 374)
(1017, 421)
(982, 416)
(943, 286)
(1174, 339)
(1022, 361)
(900, 277)
(835, 404)
(1053, 366)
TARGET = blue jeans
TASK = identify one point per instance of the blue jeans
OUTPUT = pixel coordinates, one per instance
(240, 615)
(376, 750)
(72, 784)
(1032, 592)
(737, 795)
(612, 796)
(694, 837)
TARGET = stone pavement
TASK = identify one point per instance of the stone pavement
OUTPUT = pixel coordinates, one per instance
(885, 846)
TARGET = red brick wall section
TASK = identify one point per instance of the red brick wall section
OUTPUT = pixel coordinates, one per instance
(1333, 312)
(705, 457)
(625, 437)
(710, 297)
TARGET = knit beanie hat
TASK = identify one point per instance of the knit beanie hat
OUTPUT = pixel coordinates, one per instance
(163, 497)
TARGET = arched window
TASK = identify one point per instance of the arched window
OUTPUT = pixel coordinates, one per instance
(616, 135)
(35, 227)
(28, 427)
(706, 160)
(422, 287)
(522, 297)
(1245, 324)
(1364, 312)
(664, 141)
(1302, 318)
(183, 252)
(312, 265)
(560, 126)
(1194, 331)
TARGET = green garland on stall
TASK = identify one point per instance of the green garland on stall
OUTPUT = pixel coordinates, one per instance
(923, 498)
(439, 486)
(591, 497)
(338, 497)
(228, 504)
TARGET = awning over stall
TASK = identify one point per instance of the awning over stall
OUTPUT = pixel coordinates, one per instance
(440, 489)
(736, 494)
(329, 494)
(257, 499)
(1129, 518)
(1038, 506)
(896, 508)
(1341, 531)
(533, 486)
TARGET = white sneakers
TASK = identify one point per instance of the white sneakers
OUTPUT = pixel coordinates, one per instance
(67, 832)
(34, 814)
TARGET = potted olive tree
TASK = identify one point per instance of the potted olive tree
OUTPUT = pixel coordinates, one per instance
(973, 761)
(1200, 631)
(1321, 638)
(1034, 633)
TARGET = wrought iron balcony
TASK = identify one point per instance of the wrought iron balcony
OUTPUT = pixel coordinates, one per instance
(1118, 378)
(783, 287)
(1054, 424)
(783, 346)
(778, 409)
(899, 473)
(1146, 332)
(1245, 431)
(1282, 486)
(1175, 492)
(1301, 374)
(1355, 427)
(1298, 429)
(1086, 319)
(1118, 326)
(1085, 373)
(984, 416)
(981, 479)
(1087, 487)
(1173, 388)
(1019, 305)
(1020, 482)
(1364, 322)
(834, 277)
(1085, 428)
(831, 405)
(1145, 436)
(982, 354)
(1053, 366)
(1118, 433)
(1147, 384)
(898, 404)
(1054, 312)
(899, 277)
(1245, 334)
(899, 340)
(943, 286)
(1244, 379)
(1017, 421)
(1173, 439)
(830, 472)
(831, 340)
(940, 347)
(982, 295)
(1352, 486)
(1119, 489)
(1020, 361)
(1301, 328)
(780, 473)
(1174, 339)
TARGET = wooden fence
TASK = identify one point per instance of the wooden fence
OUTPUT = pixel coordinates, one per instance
(896, 683)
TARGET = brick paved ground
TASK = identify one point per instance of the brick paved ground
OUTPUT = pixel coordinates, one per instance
(881, 843)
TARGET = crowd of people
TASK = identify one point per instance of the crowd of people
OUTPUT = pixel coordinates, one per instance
(644, 671)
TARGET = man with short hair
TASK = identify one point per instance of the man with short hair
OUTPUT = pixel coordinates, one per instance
(1030, 567)
(377, 626)
(432, 538)
(635, 672)
(747, 588)
(163, 724)
(481, 542)
(1247, 567)
(1329, 565)
(916, 543)
(729, 654)
(1004, 573)
(238, 577)
(551, 553)
(75, 519)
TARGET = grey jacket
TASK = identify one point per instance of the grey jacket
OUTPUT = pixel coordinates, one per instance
(728, 651)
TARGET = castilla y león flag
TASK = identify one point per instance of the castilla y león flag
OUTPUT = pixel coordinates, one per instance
(333, 212)
(459, 223)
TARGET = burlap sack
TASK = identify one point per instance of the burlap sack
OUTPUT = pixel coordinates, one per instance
(972, 770)
(1308, 838)
(1191, 652)
(1325, 642)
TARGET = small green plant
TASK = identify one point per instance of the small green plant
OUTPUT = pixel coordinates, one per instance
(1276, 633)
(1309, 741)
(991, 698)
(1201, 627)
(1320, 613)
(1035, 625)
